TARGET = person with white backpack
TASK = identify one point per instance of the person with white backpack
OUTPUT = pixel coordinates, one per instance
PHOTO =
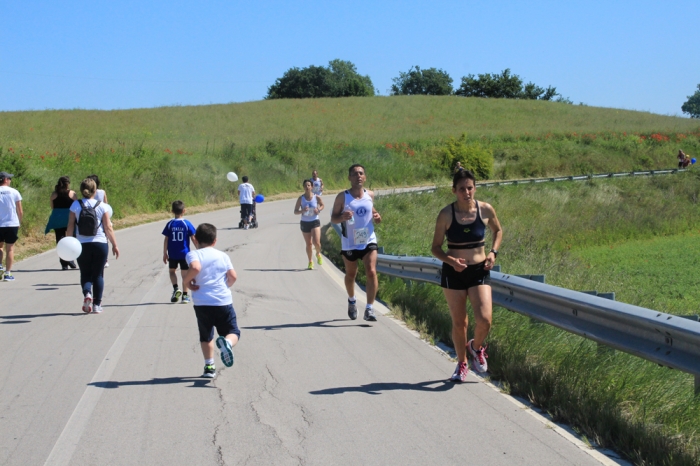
(89, 219)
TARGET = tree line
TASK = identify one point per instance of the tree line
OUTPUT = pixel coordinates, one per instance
(341, 79)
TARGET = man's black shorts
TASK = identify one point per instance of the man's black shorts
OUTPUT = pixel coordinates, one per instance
(246, 210)
(223, 318)
(355, 254)
(9, 235)
(306, 227)
(173, 263)
(473, 275)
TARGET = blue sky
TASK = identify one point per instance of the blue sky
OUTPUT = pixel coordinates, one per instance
(638, 55)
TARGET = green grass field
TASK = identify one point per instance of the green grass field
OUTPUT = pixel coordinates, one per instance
(632, 236)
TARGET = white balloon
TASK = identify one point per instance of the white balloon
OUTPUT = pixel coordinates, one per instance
(232, 176)
(69, 248)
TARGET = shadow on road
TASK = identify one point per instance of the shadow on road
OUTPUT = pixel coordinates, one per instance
(137, 304)
(32, 316)
(197, 382)
(276, 270)
(320, 323)
(378, 387)
(57, 284)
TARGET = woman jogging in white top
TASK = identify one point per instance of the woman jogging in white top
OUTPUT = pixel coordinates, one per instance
(309, 205)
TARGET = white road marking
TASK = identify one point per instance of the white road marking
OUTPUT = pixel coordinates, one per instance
(65, 446)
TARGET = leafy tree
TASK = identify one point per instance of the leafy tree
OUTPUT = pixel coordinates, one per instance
(426, 82)
(692, 105)
(505, 86)
(339, 79)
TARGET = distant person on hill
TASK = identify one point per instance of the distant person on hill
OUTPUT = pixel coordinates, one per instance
(309, 205)
(61, 199)
(317, 183)
(683, 159)
(458, 167)
(90, 219)
(11, 214)
(466, 269)
(101, 195)
(176, 245)
(246, 194)
(209, 277)
(354, 210)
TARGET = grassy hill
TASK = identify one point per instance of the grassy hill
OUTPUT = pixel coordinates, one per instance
(350, 120)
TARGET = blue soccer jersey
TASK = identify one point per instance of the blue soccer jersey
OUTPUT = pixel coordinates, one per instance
(178, 232)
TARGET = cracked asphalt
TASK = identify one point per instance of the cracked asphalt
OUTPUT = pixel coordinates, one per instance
(309, 386)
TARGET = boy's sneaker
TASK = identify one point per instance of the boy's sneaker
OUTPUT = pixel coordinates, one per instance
(460, 373)
(226, 351)
(7, 276)
(311, 266)
(479, 356)
(369, 315)
(176, 296)
(87, 304)
(352, 309)
(319, 259)
(209, 371)
(97, 308)
(185, 299)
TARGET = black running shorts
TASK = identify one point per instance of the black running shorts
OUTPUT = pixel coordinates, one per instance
(306, 227)
(173, 263)
(473, 275)
(355, 254)
(223, 318)
(9, 235)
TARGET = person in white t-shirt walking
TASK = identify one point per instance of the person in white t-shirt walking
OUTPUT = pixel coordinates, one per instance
(10, 218)
(246, 194)
(210, 276)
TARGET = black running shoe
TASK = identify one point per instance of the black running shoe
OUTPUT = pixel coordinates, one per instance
(209, 371)
(176, 296)
(369, 315)
(352, 309)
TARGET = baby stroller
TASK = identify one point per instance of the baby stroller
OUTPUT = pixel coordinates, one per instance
(253, 221)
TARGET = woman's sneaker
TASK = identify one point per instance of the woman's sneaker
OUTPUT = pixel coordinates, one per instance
(319, 259)
(87, 304)
(479, 356)
(209, 371)
(226, 351)
(311, 266)
(7, 276)
(97, 308)
(460, 373)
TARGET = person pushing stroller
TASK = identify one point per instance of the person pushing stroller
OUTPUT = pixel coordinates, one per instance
(246, 195)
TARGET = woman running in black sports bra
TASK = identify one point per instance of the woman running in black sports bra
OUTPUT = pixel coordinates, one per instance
(466, 268)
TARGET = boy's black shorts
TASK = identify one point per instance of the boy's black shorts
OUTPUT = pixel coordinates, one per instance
(173, 263)
(9, 235)
(473, 275)
(355, 254)
(221, 317)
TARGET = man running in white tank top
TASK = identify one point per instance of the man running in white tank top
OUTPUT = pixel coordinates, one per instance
(354, 210)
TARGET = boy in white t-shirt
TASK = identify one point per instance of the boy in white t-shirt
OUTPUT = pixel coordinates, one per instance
(246, 194)
(210, 276)
(10, 218)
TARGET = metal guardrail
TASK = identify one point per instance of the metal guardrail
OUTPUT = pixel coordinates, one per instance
(665, 339)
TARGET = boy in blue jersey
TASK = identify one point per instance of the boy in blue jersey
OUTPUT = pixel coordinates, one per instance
(175, 248)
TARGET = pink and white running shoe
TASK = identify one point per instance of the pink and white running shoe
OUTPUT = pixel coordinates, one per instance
(479, 356)
(460, 374)
(87, 304)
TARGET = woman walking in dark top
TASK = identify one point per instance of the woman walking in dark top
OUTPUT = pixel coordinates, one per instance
(61, 200)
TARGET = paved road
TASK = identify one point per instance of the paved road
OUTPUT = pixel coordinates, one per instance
(309, 386)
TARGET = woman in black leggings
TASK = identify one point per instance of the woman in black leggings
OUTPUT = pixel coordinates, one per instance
(61, 199)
